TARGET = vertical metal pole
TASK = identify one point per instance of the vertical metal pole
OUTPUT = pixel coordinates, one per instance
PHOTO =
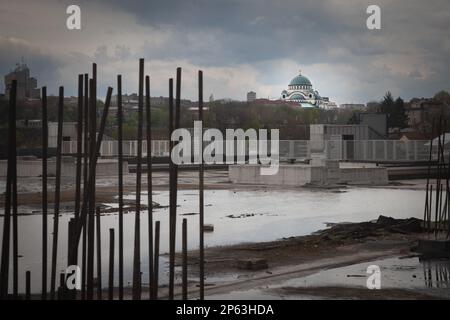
(201, 188)
(111, 265)
(426, 210)
(120, 155)
(4, 274)
(137, 227)
(95, 149)
(27, 285)
(184, 254)
(79, 146)
(62, 287)
(71, 257)
(172, 205)
(15, 215)
(99, 254)
(149, 185)
(91, 201)
(57, 192)
(174, 187)
(156, 264)
(44, 193)
(85, 181)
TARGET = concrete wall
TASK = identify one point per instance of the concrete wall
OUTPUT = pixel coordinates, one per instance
(33, 168)
(300, 175)
(329, 132)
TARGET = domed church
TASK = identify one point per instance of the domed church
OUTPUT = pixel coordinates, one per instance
(301, 90)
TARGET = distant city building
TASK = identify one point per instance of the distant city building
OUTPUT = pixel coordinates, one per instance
(352, 106)
(131, 101)
(69, 133)
(300, 90)
(421, 113)
(251, 96)
(26, 85)
(375, 121)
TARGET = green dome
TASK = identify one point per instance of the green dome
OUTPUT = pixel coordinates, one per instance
(300, 81)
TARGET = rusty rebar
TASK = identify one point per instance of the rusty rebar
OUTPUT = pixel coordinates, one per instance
(27, 285)
(201, 191)
(172, 204)
(79, 146)
(120, 164)
(57, 192)
(85, 181)
(137, 223)
(111, 265)
(15, 224)
(184, 260)
(156, 264)
(44, 193)
(99, 252)
(149, 185)
(90, 201)
(4, 274)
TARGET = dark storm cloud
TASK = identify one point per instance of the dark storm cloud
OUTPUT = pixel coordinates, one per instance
(43, 66)
(241, 44)
(250, 30)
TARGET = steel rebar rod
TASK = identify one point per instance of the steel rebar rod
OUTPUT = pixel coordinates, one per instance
(4, 270)
(184, 260)
(57, 192)
(111, 265)
(120, 164)
(201, 191)
(99, 252)
(137, 223)
(156, 264)
(149, 185)
(44, 193)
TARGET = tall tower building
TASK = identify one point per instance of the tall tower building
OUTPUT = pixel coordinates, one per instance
(26, 85)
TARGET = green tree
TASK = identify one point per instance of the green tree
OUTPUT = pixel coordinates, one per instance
(395, 111)
(442, 96)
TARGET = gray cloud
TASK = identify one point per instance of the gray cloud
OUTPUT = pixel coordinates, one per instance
(242, 45)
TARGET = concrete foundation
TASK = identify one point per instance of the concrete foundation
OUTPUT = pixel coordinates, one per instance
(32, 167)
(303, 174)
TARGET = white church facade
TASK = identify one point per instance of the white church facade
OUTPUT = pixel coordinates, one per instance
(301, 91)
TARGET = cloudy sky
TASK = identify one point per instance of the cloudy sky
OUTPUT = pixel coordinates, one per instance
(241, 45)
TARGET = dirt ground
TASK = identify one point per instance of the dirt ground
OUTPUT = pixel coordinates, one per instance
(340, 245)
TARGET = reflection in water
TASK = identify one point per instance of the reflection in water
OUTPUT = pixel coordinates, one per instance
(263, 216)
(436, 273)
